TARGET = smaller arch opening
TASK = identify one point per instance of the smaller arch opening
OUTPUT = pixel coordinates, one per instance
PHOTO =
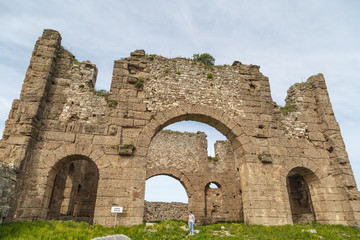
(213, 202)
(74, 189)
(213, 185)
(298, 181)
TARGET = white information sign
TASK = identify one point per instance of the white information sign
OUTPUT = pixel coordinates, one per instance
(116, 209)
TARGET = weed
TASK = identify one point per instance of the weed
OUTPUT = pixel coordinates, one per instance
(213, 159)
(178, 73)
(100, 92)
(151, 58)
(166, 71)
(112, 102)
(139, 83)
(209, 75)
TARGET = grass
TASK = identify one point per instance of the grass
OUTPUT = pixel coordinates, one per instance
(177, 132)
(171, 229)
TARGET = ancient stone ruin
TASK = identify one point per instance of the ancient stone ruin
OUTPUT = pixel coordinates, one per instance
(69, 151)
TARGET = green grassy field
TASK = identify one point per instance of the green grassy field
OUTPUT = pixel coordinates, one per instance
(172, 229)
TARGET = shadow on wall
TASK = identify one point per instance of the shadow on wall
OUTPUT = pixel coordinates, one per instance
(74, 192)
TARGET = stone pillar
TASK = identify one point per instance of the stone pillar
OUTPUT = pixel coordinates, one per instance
(262, 198)
(25, 116)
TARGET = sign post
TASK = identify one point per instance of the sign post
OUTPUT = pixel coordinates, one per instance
(116, 210)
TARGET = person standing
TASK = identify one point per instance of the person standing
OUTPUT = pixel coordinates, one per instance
(191, 223)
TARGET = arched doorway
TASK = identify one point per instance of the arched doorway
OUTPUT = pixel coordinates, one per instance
(165, 198)
(74, 191)
(185, 152)
(213, 202)
(298, 181)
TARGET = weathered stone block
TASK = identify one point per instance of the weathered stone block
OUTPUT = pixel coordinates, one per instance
(126, 150)
(59, 136)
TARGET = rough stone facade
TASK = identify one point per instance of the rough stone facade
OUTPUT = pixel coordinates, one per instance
(184, 157)
(287, 162)
(160, 211)
(7, 189)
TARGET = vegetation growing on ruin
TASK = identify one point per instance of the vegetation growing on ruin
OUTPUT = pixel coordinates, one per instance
(204, 58)
(139, 83)
(174, 229)
(112, 102)
(101, 92)
(213, 159)
(75, 62)
(177, 132)
(209, 75)
(287, 109)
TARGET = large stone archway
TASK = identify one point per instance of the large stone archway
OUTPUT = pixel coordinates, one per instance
(184, 156)
(60, 114)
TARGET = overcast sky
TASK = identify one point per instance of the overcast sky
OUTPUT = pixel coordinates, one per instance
(290, 40)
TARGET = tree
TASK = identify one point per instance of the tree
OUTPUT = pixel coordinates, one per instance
(205, 58)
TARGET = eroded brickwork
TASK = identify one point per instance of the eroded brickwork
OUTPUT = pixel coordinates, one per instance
(184, 157)
(59, 119)
(160, 211)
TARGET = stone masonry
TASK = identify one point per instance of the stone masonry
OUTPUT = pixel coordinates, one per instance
(160, 211)
(288, 164)
(184, 157)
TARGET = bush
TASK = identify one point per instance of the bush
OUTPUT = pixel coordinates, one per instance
(205, 58)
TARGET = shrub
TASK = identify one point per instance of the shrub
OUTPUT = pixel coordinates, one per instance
(205, 58)
(288, 108)
(139, 83)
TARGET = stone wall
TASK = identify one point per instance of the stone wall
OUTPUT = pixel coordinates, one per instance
(184, 156)
(60, 118)
(160, 211)
(7, 191)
